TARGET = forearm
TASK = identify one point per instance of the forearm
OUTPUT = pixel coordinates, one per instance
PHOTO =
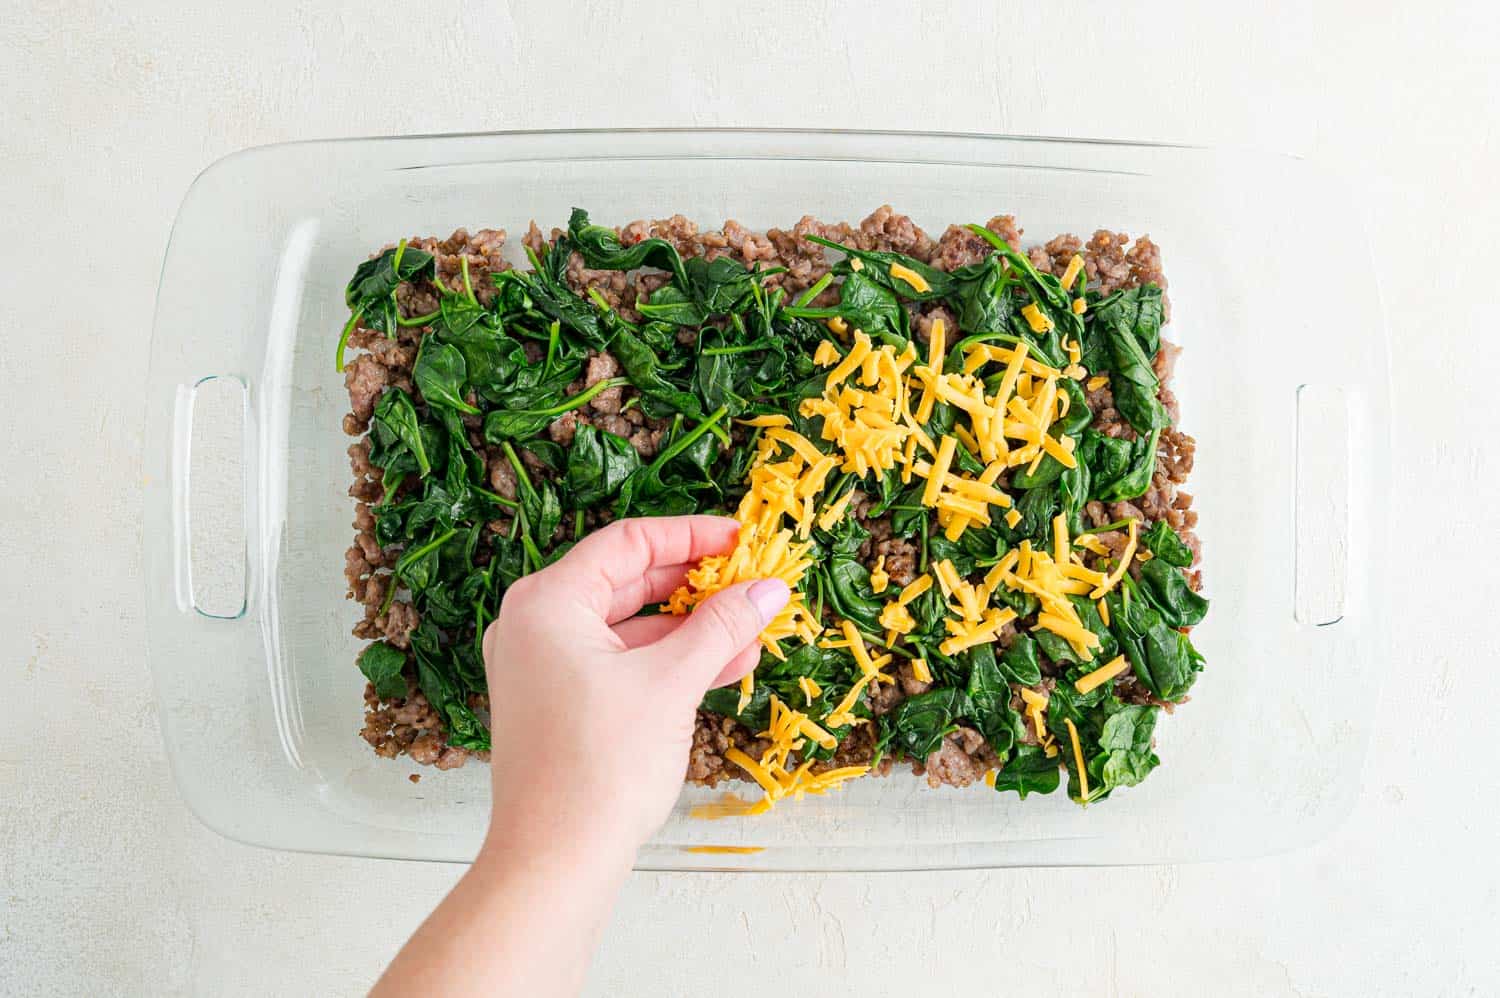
(519, 922)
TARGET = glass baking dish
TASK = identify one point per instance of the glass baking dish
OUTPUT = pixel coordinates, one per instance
(1284, 383)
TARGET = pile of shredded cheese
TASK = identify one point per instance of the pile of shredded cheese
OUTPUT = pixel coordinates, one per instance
(874, 404)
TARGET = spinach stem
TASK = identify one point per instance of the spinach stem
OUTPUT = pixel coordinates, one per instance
(344, 338)
(515, 462)
(536, 264)
(431, 545)
(496, 497)
(577, 400)
(744, 348)
(390, 596)
(463, 265)
(813, 291)
(578, 525)
(418, 320)
(532, 551)
(1122, 524)
(553, 333)
(683, 442)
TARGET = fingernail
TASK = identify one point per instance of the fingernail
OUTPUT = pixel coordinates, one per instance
(769, 596)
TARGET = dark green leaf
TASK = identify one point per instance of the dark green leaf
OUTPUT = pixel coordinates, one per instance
(602, 250)
(371, 292)
(989, 695)
(396, 415)
(1125, 757)
(1168, 591)
(598, 464)
(1029, 772)
(877, 265)
(673, 305)
(1020, 662)
(511, 424)
(1164, 543)
(1162, 656)
(643, 368)
(382, 666)
(437, 675)
(1119, 469)
(921, 722)
(440, 374)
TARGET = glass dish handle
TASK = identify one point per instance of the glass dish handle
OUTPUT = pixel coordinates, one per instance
(1322, 509)
(210, 501)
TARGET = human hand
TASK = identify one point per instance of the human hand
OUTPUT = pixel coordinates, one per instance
(592, 708)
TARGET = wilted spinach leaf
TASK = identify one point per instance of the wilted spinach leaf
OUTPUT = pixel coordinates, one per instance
(643, 368)
(1119, 469)
(1125, 757)
(1164, 585)
(602, 249)
(1020, 662)
(922, 721)
(511, 424)
(599, 462)
(382, 666)
(440, 374)
(1162, 656)
(989, 697)
(1030, 771)
(1163, 542)
(396, 416)
(371, 292)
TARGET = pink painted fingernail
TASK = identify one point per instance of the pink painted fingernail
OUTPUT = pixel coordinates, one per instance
(769, 596)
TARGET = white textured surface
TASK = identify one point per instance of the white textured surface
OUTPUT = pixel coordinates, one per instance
(109, 886)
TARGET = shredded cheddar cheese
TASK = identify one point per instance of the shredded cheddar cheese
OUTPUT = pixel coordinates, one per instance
(1101, 675)
(1038, 322)
(1083, 773)
(916, 280)
(1075, 267)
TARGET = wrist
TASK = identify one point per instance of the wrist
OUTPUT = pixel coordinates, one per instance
(523, 843)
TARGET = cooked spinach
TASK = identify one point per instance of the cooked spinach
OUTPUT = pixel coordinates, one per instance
(1020, 662)
(599, 463)
(396, 422)
(1029, 771)
(508, 424)
(371, 292)
(440, 374)
(1162, 541)
(718, 342)
(1132, 379)
(921, 722)
(1125, 757)
(1164, 585)
(382, 666)
(643, 369)
(1162, 656)
(601, 249)
(989, 700)
(1119, 469)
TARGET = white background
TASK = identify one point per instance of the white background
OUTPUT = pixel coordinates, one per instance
(109, 886)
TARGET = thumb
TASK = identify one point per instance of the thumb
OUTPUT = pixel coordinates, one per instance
(719, 629)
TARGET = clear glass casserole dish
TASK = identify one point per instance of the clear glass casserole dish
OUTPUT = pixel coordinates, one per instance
(1284, 382)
